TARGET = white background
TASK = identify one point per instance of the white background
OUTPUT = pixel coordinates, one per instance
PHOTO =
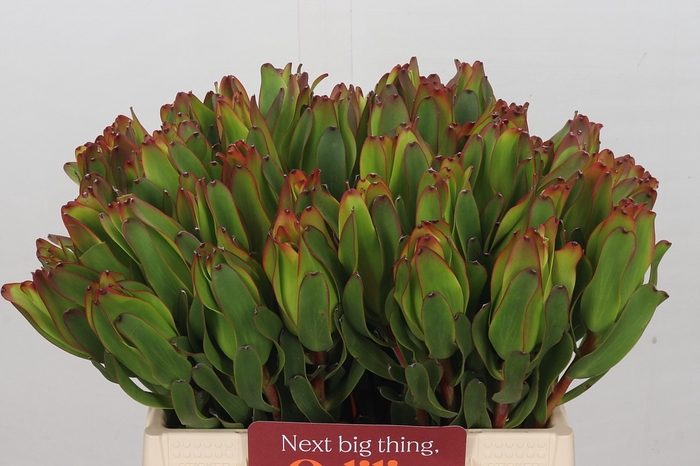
(68, 68)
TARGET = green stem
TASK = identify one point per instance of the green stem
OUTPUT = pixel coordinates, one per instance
(590, 343)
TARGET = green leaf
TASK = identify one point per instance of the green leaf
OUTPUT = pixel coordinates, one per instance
(150, 399)
(324, 112)
(421, 392)
(164, 268)
(480, 328)
(515, 370)
(300, 138)
(643, 254)
(354, 214)
(515, 323)
(154, 218)
(237, 304)
(271, 83)
(388, 115)
(152, 194)
(204, 116)
(207, 379)
(429, 122)
(429, 205)
(348, 245)
(406, 341)
(330, 159)
(600, 302)
(556, 318)
(388, 228)
(307, 401)
(317, 253)
(478, 279)
(115, 302)
(475, 405)
(220, 354)
(438, 326)
(435, 275)
(489, 219)
(295, 361)
(504, 161)
(247, 197)
(623, 336)
(343, 390)
(414, 164)
(224, 212)
(100, 257)
(76, 322)
(315, 313)
(581, 388)
(232, 127)
(525, 407)
(353, 305)
(157, 166)
(71, 285)
(466, 107)
(83, 238)
(659, 251)
(463, 332)
(166, 363)
(273, 174)
(186, 407)
(373, 158)
(185, 160)
(187, 244)
(248, 377)
(553, 363)
(577, 161)
(327, 205)
(466, 219)
(56, 305)
(270, 326)
(366, 352)
(132, 359)
(260, 138)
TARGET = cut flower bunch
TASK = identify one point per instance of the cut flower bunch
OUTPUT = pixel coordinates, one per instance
(409, 256)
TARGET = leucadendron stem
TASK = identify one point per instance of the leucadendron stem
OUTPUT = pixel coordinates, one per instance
(448, 390)
(272, 395)
(589, 344)
(500, 413)
(318, 382)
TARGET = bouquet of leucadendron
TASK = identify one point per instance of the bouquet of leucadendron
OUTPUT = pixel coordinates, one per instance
(409, 256)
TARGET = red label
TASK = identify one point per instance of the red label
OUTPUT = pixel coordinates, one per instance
(305, 444)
